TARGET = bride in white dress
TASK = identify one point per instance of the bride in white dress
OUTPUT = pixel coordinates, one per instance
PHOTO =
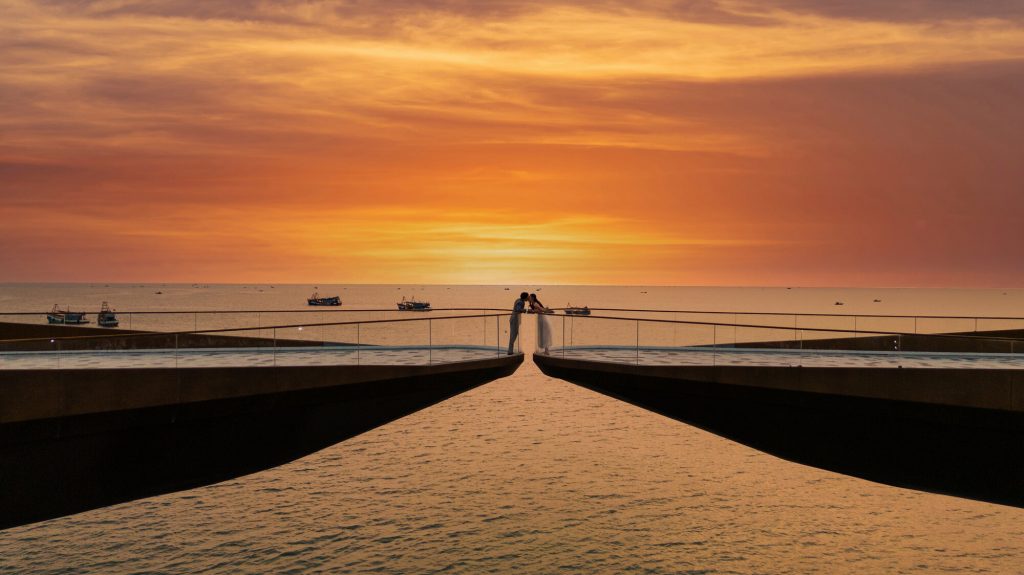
(543, 323)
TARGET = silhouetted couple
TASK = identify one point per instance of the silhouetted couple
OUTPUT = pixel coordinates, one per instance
(543, 329)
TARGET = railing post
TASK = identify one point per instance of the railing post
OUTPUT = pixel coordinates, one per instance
(175, 351)
(358, 344)
(714, 344)
(563, 336)
(430, 342)
(800, 356)
(195, 322)
(58, 353)
(275, 348)
(637, 342)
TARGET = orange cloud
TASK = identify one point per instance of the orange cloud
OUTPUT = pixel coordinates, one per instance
(701, 142)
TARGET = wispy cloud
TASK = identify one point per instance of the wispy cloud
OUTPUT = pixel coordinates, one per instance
(618, 137)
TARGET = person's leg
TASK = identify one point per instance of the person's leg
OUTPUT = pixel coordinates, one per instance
(513, 333)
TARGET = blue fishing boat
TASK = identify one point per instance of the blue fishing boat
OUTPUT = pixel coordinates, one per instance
(571, 310)
(60, 316)
(413, 305)
(107, 317)
(315, 299)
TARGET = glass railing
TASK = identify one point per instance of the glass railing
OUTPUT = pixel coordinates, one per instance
(873, 342)
(420, 340)
(203, 320)
(916, 324)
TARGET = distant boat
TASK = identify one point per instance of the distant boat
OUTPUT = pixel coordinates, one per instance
(413, 305)
(159, 293)
(878, 301)
(106, 317)
(576, 310)
(839, 303)
(315, 299)
(60, 316)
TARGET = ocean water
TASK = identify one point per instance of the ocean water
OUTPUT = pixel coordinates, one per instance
(529, 474)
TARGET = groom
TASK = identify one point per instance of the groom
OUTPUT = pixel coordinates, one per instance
(518, 308)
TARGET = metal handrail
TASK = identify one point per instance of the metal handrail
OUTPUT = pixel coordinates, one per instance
(326, 309)
(799, 314)
(587, 317)
(792, 328)
(237, 329)
(713, 312)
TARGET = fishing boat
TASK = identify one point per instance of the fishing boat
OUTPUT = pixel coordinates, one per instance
(60, 316)
(413, 305)
(106, 317)
(575, 310)
(315, 299)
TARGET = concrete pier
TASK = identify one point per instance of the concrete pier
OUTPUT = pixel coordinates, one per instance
(73, 439)
(958, 431)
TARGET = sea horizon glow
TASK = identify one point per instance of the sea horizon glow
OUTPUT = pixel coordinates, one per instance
(652, 143)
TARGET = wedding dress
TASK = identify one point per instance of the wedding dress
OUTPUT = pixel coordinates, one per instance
(543, 331)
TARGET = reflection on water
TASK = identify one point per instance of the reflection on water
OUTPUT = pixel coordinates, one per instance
(535, 475)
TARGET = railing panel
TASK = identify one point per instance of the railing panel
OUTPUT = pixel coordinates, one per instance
(39, 318)
(1000, 324)
(661, 334)
(592, 331)
(766, 337)
(447, 332)
(943, 325)
(406, 333)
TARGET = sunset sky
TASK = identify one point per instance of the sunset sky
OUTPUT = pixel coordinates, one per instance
(703, 142)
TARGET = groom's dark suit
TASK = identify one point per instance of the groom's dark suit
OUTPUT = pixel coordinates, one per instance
(513, 323)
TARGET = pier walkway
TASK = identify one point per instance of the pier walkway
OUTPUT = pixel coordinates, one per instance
(89, 418)
(695, 356)
(941, 412)
(323, 355)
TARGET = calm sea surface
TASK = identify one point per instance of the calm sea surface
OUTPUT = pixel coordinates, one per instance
(529, 474)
